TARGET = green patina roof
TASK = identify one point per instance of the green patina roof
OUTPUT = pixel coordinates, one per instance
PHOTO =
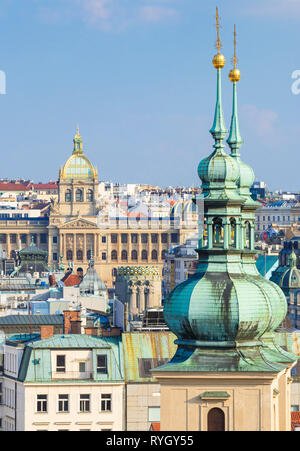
(75, 341)
(265, 263)
(36, 365)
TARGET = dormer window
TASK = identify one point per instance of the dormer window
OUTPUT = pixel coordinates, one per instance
(102, 364)
(60, 363)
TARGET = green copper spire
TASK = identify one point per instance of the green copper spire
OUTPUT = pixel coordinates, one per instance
(219, 171)
(218, 129)
(234, 140)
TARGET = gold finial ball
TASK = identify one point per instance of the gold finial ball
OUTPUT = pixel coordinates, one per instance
(219, 61)
(234, 75)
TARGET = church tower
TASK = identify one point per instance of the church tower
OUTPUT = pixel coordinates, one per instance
(228, 372)
(78, 183)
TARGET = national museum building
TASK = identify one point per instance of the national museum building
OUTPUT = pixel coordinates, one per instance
(79, 226)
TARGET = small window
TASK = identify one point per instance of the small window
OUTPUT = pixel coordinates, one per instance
(68, 196)
(164, 237)
(90, 195)
(295, 408)
(41, 403)
(54, 256)
(69, 255)
(106, 403)
(154, 414)
(79, 195)
(79, 255)
(81, 367)
(174, 238)
(103, 255)
(84, 403)
(144, 238)
(124, 238)
(63, 403)
(154, 255)
(154, 238)
(60, 363)
(134, 238)
(104, 239)
(134, 255)
(114, 238)
(102, 364)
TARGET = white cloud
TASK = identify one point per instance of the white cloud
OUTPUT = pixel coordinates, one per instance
(290, 8)
(263, 122)
(98, 9)
(153, 13)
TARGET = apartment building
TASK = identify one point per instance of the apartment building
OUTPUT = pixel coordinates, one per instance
(62, 383)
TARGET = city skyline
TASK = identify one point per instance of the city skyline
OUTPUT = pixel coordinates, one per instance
(137, 78)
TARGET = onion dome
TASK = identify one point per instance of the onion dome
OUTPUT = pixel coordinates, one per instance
(291, 277)
(216, 309)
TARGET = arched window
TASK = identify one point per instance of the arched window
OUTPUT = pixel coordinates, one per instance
(144, 255)
(68, 195)
(79, 195)
(216, 420)
(90, 195)
(247, 242)
(124, 255)
(218, 232)
(69, 255)
(134, 255)
(232, 237)
(79, 255)
(154, 255)
(114, 255)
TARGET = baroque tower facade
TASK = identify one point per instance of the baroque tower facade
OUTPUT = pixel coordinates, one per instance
(228, 373)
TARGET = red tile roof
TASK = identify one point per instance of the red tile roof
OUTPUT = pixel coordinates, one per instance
(14, 187)
(44, 185)
(295, 419)
(155, 427)
(72, 280)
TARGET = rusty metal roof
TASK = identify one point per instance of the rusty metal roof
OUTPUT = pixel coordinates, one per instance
(149, 347)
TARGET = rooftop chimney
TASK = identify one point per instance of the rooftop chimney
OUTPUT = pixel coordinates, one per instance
(47, 332)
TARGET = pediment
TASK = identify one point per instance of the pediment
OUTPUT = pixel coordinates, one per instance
(79, 223)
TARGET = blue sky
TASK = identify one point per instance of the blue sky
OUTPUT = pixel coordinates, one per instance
(136, 75)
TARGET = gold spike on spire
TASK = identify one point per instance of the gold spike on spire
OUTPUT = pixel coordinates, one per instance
(234, 74)
(219, 45)
(219, 59)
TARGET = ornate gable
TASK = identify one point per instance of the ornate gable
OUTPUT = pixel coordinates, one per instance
(79, 223)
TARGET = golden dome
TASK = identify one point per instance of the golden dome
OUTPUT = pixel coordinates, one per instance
(219, 61)
(234, 75)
